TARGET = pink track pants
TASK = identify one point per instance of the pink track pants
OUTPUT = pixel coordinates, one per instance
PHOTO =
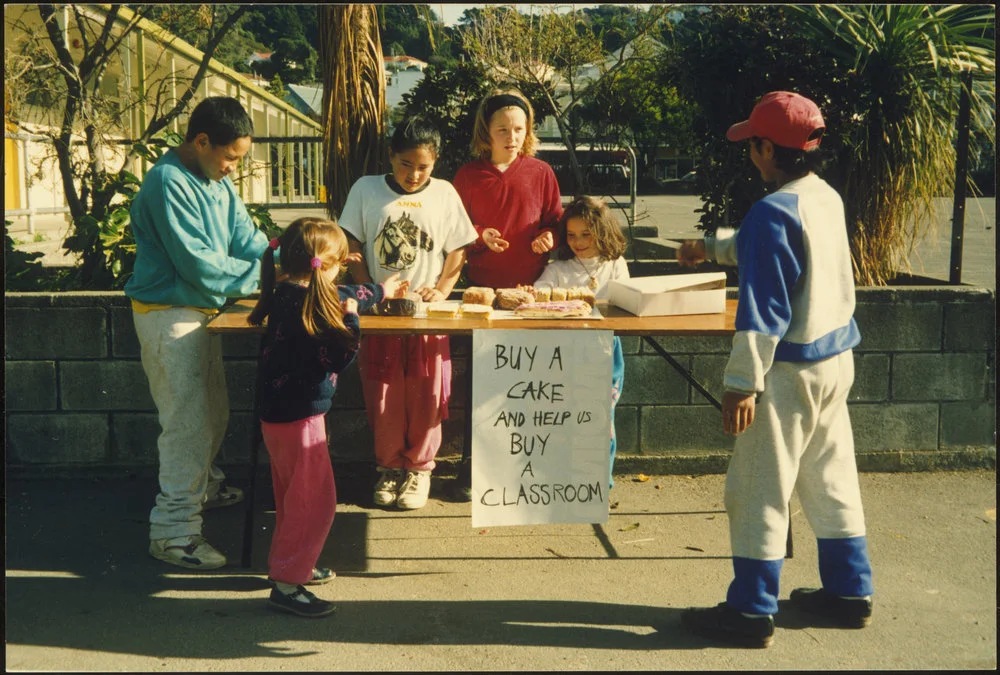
(406, 382)
(305, 496)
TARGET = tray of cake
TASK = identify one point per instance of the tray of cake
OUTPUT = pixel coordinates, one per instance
(526, 302)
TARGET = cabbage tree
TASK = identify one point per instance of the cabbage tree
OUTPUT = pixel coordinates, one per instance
(903, 66)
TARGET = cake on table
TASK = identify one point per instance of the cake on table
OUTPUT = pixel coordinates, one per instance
(554, 309)
(475, 311)
(478, 295)
(512, 298)
(396, 307)
(442, 310)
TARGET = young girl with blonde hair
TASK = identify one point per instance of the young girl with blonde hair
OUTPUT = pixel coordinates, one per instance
(313, 332)
(512, 198)
(590, 255)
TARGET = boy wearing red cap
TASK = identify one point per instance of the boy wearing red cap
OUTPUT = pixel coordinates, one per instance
(787, 381)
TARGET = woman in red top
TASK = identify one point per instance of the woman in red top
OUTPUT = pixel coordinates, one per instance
(511, 197)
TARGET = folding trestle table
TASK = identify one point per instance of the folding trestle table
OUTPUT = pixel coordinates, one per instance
(233, 321)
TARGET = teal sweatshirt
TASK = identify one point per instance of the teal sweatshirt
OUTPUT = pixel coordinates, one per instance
(195, 242)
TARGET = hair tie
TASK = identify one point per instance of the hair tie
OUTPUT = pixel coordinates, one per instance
(316, 263)
(274, 244)
(494, 103)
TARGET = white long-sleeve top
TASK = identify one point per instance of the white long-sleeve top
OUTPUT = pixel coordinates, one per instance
(573, 272)
(796, 282)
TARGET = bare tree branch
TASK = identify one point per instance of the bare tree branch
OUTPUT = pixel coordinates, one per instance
(160, 123)
(79, 22)
(73, 84)
(92, 56)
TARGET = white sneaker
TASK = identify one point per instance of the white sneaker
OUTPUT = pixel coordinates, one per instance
(413, 493)
(387, 487)
(191, 551)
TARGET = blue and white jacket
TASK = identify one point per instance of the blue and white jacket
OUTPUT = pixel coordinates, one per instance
(796, 281)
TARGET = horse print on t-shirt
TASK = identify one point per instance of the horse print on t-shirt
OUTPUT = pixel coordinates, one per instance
(397, 245)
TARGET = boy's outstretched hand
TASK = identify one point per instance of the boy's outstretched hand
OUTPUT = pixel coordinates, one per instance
(737, 412)
(394, 288)
(691, 253)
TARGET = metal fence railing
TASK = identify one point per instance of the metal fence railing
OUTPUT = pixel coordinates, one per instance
(289, 176)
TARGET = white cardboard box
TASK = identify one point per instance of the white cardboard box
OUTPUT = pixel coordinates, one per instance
(703, 293)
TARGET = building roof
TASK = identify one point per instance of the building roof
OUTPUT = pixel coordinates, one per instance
(308, 100)
(405, 61)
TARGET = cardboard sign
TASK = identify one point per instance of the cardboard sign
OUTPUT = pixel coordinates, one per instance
(541, 426)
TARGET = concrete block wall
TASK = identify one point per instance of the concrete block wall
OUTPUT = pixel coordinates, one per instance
(923, 398)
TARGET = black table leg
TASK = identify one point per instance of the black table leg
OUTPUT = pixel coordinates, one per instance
(711, 399)
(682, 370)
(256, 438)
(467, 442)
(463, 481)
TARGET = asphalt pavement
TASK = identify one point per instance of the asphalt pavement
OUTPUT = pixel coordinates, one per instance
(425, 591)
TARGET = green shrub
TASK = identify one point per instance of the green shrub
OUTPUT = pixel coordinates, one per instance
(22, 271)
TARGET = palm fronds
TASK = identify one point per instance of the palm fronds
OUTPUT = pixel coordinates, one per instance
(897, 154)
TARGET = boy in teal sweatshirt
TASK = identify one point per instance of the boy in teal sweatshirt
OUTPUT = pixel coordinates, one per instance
(195, 247)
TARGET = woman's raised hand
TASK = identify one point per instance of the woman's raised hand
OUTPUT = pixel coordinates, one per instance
(493, 240)
(543, 243)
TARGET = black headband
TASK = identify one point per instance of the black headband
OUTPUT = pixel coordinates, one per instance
(494, 103)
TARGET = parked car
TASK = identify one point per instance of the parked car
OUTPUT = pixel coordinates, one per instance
(685, 185)
(604, 179)
(609, 178)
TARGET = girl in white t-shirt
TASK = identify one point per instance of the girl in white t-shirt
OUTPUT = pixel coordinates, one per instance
(409, 223)
(591, 255)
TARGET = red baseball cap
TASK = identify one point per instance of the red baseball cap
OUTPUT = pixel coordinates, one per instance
(785, 118)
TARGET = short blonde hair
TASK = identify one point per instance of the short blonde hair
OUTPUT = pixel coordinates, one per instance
(481, 146)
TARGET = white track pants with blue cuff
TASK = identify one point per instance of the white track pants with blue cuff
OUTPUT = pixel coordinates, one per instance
(800, 440)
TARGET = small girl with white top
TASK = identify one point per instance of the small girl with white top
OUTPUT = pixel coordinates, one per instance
(590, 255)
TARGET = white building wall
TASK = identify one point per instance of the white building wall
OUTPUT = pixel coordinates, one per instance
(401, 83)
(160, 64)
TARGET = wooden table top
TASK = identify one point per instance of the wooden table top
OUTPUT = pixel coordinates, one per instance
(233, 321)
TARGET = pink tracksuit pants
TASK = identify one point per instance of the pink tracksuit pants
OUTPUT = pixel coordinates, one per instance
(407, 383)
(305, 496)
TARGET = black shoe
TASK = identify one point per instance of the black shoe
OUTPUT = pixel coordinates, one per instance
(313, 607)
(463, 483)
(726, 624)
(844, 612)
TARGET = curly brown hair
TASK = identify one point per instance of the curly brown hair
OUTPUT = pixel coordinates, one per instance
(608, 238)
